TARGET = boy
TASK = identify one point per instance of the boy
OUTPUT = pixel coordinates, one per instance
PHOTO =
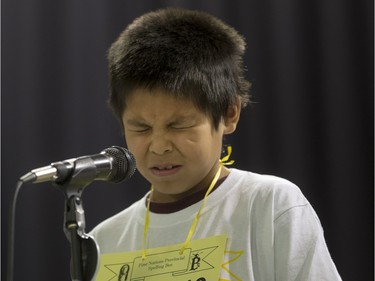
(177, 85)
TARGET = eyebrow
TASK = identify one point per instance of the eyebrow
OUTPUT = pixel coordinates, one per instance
(178, 120)
(134, 122)
(182, 119)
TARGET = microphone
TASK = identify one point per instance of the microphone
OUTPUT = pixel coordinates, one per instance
(114, 164)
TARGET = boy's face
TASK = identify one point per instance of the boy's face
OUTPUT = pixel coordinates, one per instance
(175, 145)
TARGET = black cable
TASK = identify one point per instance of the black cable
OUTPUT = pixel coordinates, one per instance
(12, 230)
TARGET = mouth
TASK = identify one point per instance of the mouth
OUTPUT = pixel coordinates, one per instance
(165, 170)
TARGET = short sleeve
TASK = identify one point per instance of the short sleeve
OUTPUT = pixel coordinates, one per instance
(301, 253)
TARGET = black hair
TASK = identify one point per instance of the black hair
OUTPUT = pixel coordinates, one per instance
(188, 54)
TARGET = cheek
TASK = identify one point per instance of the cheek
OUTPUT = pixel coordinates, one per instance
(202, 146)
(136, 145)
(189, 142)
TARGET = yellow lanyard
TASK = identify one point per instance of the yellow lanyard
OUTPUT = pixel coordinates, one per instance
(223, 161)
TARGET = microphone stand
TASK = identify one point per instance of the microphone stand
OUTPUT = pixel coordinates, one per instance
(84, 249)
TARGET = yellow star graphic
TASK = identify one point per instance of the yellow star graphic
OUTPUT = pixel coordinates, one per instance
(236, 255)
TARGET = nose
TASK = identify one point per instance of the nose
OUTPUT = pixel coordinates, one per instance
(160, 143)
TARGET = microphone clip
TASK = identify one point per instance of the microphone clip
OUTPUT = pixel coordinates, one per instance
(72, 177)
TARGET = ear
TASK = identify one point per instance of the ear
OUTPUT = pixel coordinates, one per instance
(232, 117)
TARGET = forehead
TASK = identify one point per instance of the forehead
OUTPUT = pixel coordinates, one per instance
(157, 103)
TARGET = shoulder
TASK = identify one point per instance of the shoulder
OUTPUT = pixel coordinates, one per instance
(265, 186)
(267, 191)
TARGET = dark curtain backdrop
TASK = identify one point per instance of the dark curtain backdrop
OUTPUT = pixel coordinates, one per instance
(311, 65)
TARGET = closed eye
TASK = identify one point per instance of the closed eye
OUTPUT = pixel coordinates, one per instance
(140, 129)
(137, 126)
(181, 127)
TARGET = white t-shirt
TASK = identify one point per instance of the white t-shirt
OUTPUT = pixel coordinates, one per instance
(270, 225)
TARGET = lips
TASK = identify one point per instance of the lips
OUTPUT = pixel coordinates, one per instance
(165, 170)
